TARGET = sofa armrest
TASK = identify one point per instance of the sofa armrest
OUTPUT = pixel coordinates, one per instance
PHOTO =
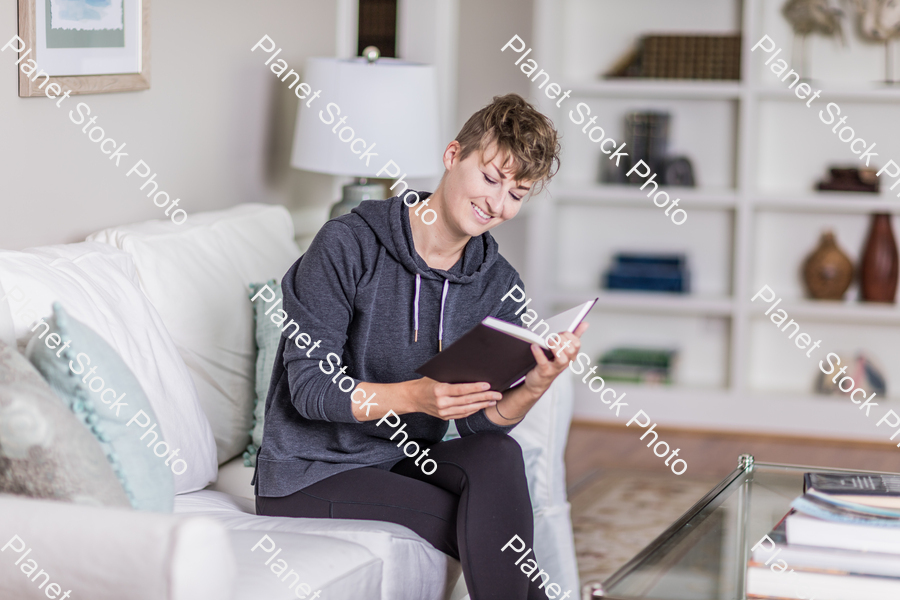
(543, 434)
(110, 554)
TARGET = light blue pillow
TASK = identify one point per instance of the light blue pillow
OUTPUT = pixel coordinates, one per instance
(87, 360)
(268, 334)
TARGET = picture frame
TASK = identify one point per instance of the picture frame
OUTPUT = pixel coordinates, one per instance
(72, 50)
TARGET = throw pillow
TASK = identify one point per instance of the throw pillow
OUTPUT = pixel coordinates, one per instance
(44, 450)
(102, 289)
(196, 276)
(100, 389)
(268, 334)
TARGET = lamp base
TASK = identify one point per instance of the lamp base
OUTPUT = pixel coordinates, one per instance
(354, 193)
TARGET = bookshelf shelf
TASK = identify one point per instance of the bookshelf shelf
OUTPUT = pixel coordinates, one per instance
(835, 202)
(682, 304)
(631, 195)
(655, 392)
(722, 411)
(871, 93)
(744, 139)
(840, 312)
(659, 88)
(724, 199)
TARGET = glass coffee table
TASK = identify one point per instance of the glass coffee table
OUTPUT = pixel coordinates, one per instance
(703, 555)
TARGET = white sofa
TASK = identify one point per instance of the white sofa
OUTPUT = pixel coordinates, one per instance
(168, 298)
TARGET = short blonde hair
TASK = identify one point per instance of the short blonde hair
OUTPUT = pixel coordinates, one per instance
(524, 134)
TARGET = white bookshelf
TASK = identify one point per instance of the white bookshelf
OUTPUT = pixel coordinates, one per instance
(757, 151)
(629, 195)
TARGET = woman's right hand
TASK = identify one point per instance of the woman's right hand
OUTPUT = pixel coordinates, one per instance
(449, 400)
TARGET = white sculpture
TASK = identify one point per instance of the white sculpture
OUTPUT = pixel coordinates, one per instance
(812, 16)
(879, 21)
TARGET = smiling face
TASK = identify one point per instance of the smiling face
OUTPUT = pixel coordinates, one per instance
(478, 192)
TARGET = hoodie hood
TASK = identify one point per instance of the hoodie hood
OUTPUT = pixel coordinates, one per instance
(389, 220)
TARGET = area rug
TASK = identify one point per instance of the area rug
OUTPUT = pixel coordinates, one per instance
(616, 514)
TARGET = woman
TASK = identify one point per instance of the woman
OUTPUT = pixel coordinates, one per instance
(380, 291)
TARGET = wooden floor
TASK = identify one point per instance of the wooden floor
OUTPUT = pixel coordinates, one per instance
(595, 448)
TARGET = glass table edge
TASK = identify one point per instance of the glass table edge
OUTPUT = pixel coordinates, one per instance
(639, 558)
(746, 463)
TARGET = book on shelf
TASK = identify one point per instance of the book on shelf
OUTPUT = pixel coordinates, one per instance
(647, 134)
(648, 272)
(682, 57)
(498, 352)
(637, 365)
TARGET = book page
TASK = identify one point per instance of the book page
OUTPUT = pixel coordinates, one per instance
(515, 331)
(568, 320)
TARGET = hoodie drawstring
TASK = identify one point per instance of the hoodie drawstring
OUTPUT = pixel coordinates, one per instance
(416, 306)
(416, 311)
(441, 328)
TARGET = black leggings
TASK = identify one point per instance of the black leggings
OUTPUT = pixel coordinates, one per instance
(473, 504)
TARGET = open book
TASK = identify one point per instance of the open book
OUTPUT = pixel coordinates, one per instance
(499, 352)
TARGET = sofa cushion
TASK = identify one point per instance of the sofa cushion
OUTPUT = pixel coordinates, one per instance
(44, 451)
(197, 277)
(412, 568)
(302, 566)
(140, 464)
(234, 478)
(99, 285)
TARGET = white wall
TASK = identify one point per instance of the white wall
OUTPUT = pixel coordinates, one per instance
(215, 125)
(428, 32)
(484, 27)
(484, 72)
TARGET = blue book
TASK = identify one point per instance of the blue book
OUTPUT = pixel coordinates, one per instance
(648, 272)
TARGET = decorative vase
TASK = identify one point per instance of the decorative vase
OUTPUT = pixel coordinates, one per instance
(878, 270)
(827, 272)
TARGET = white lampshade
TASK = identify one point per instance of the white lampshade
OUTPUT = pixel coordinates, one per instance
(390, 103)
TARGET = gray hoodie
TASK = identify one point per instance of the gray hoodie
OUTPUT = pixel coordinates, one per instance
(362, 290)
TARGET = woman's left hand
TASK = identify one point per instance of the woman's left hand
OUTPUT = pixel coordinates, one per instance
(519, 400)
(565, 350)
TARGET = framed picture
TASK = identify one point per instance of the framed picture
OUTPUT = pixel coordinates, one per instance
(87, 46)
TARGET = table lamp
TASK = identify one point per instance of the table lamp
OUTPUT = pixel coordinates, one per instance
(371, 111)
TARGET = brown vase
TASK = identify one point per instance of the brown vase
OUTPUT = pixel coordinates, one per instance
(878, 270)
(827, 272)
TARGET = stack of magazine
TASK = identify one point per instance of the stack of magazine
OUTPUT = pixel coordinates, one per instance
(840, 541)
